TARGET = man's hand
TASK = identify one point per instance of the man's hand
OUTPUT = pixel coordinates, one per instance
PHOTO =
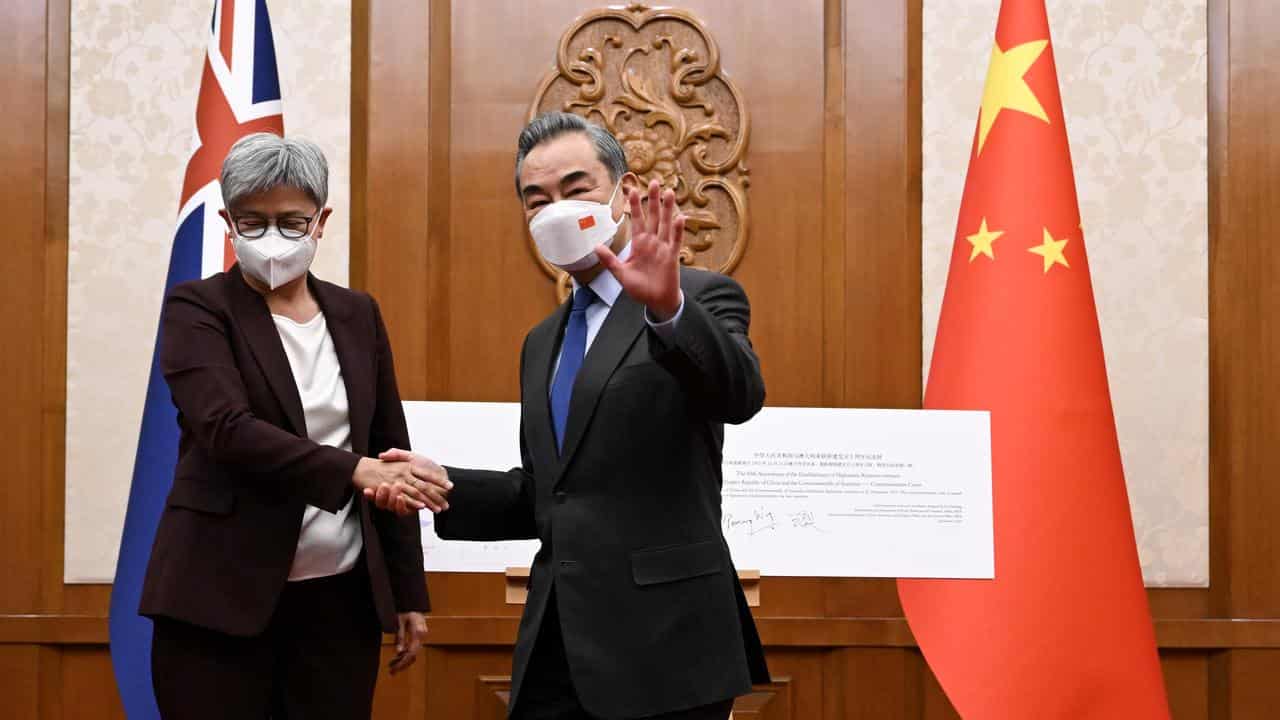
(432, 478)
(391, 486)
(411, 630)
(651, 275)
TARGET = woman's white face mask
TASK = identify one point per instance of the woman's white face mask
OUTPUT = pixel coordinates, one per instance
(567, 232)
(273, 259)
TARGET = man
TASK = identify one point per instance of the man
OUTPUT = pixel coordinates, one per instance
(634, 607)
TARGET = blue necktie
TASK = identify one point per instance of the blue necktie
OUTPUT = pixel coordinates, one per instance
(572, 351)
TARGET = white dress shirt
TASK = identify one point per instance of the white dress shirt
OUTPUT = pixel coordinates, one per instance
(329, 543)
(607, 289)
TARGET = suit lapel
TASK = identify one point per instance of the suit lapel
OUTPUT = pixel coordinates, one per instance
(538, 362)
(254, 319)
(354, 342)
(621, 327)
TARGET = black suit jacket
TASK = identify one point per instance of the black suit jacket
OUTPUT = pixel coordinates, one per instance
(246, 469)
(652, 614)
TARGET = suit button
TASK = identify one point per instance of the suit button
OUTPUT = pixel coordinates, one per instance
(560, 496)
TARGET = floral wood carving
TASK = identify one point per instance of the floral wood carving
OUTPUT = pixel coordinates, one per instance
(652, 76)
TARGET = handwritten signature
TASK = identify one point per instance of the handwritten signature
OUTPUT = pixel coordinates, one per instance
(805, 519)
(760, 520)
(764, 520)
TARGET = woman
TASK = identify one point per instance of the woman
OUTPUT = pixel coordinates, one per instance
(279, 559)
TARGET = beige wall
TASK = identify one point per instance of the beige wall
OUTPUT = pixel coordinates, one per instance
(135, 69)
(1134, 83)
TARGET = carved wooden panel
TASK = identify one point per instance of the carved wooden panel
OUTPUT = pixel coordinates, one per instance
(652, 76)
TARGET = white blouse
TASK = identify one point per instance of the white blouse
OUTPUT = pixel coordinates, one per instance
(329, 544)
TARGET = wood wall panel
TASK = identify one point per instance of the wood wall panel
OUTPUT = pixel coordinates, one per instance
(882, 204)
(776, 66)
(1251, 689)
(390, 202)
(53, 401)
(462, 682)
(491, 266)
(88, 687)
(20, 673)
(1244, 299)
(867, 684)
(874, 292)
(934, 704)
(1244, 339)
(802, 675)
(75, 681)
(1186, 676)
(1218, 105)
(833, 268)
(834, 196)
(404, 696)
(23, 57)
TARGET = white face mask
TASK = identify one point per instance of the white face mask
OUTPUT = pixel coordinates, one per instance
(274, 260)
(568, 231)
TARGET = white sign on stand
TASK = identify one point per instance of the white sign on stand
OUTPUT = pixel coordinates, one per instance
(817, 492)
(483, 436)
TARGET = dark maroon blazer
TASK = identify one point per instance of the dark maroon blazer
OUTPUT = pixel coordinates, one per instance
(246, 468)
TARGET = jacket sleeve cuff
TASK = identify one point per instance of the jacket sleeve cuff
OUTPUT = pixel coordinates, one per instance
(667, 328)
(411, 595)
(329, 490)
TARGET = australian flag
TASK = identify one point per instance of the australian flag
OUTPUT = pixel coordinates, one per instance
(239, 95)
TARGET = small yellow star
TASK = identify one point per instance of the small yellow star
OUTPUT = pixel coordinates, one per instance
(1006, 88)
(982, 240)
(1052, 251)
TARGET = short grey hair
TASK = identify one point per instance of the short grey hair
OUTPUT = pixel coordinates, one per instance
(262, 161)
(551, 125)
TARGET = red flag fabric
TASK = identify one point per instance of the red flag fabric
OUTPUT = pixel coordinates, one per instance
(1064, 629)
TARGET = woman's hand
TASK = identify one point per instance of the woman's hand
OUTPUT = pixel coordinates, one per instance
(434, 478)
(392, 486)
(411, 631)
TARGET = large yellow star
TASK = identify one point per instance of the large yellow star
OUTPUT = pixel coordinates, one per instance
(1052, 251)
(981, 241)
(1006, 89)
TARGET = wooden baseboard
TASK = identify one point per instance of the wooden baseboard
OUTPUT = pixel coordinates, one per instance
(1172, 634)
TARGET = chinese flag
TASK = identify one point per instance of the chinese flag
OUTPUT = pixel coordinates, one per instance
(1064, 630)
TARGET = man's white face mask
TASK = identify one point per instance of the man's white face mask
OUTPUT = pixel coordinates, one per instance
(568, 231)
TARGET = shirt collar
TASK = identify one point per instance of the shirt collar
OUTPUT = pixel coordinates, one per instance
(605, 285)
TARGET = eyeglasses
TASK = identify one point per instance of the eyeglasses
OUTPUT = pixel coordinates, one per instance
(291, 227)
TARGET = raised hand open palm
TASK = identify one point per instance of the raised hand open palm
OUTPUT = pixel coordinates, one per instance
(651, 274)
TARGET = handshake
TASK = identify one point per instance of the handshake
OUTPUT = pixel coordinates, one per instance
(403, 483)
